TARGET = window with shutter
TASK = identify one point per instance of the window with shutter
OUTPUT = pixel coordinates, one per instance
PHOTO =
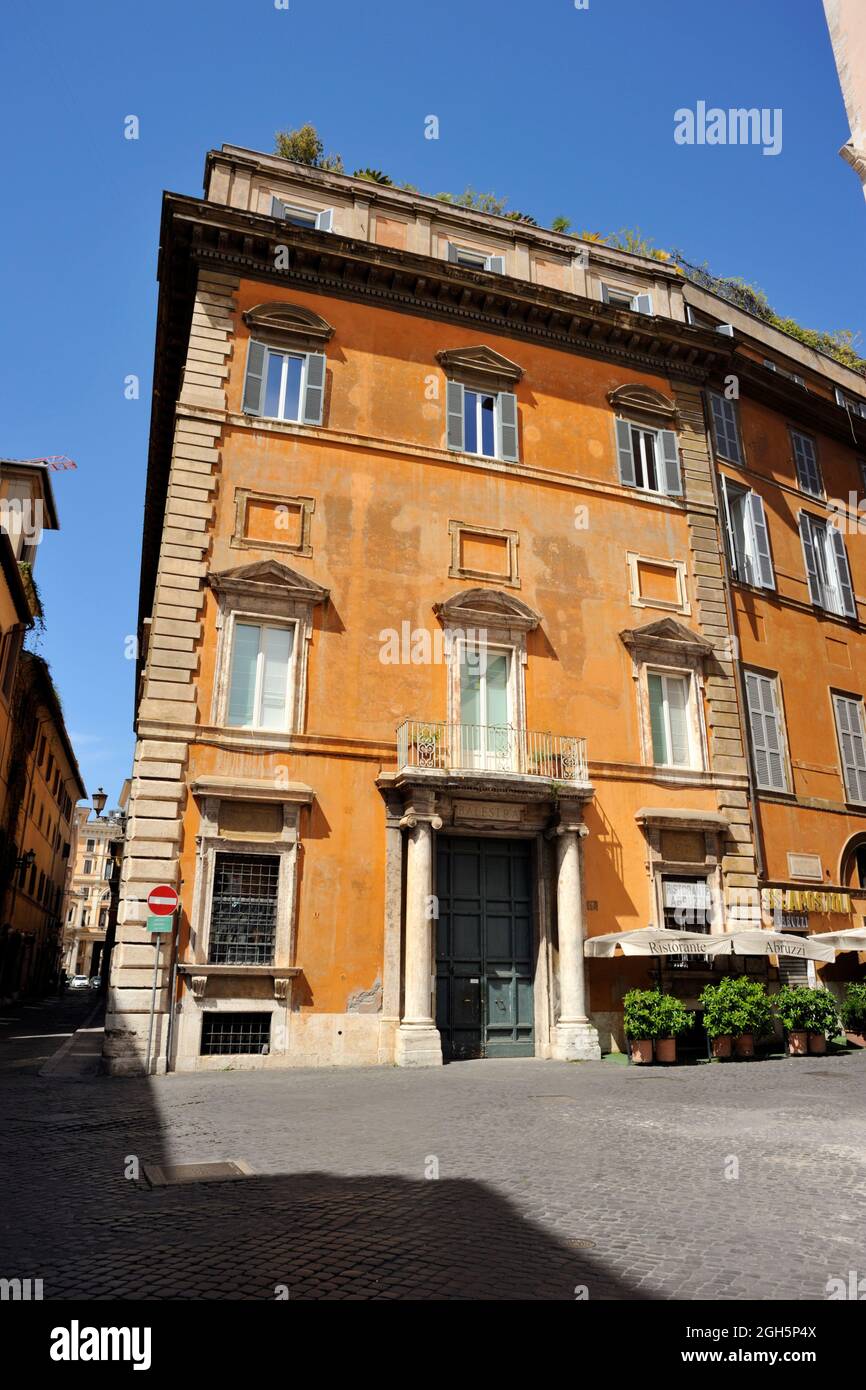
(827, 568)
(852, 745)
(748, 537)
(482, 422)
(766, 733)
(726, 433)
(806, 463)
(285, 385)
(669, 719)
(648, 459)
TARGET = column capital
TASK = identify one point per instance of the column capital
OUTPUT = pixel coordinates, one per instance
(567, 825)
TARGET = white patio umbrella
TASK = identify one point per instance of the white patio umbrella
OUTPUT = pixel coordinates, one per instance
(851, 939)
(648, 941)
(769, 943)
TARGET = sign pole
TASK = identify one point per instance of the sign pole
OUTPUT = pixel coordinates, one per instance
(156, 941)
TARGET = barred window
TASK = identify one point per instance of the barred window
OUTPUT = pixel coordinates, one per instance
(244, 910)
(224, 1033)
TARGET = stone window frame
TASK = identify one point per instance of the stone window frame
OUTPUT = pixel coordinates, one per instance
(636, 599)
(457, 529)
(268, 593)
(654, 823)
(306, 506)
(505, 622)
(670, 648)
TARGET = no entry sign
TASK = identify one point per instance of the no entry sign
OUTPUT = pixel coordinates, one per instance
(162, 901)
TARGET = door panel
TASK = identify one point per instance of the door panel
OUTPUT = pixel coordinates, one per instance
(484, 955)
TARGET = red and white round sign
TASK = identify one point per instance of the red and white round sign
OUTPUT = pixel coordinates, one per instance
(163, 900)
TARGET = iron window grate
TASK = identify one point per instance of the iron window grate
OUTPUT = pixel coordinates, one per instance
(224, 1033)
(243, 920)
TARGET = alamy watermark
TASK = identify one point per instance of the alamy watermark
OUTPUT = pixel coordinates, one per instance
(740, 125)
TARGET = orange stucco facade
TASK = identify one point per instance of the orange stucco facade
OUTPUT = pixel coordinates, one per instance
(376, 540)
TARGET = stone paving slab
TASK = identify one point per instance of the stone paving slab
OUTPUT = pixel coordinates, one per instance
(555, 1181)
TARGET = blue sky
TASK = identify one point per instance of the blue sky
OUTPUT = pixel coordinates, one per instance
(563, 111)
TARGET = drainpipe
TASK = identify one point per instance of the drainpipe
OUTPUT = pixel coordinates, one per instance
(738, 667)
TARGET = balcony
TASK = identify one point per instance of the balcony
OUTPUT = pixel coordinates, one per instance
(499, 749)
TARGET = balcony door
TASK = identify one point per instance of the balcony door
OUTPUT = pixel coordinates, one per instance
(487, 736)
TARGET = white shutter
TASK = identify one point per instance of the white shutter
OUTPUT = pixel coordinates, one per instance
(725, 432)
(735, 558)
(324, 219)
(278, 209)
(625, 454)
(843, 573)
(242, 685)
(275, 660)
(255, 379)
(671, 463)
(506, 421)
(765, 729)
(454, 412)
(816, 588)
(643, 303)
(849, 725)
(314, 389)
(452, 251)
(763, 561)
(496, 264)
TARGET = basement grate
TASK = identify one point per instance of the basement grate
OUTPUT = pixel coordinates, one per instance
(180, 1174)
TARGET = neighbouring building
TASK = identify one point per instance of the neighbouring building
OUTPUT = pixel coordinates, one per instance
(39, 777)
(471, 553)
(846, 20)
(92, 887)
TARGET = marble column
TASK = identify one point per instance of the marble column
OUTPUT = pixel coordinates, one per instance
(575, 1038)
(418, 1043)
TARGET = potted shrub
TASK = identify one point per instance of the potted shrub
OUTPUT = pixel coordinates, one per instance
(722, 1015)
(794, 1009)
(854, 1015)
(672, 1019)
(757, 1016)
(640, 1022)
(823, 1019)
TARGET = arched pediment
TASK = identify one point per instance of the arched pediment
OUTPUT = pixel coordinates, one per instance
(481, 367)
(288, 325)
(668, 635)
(635, 399)
(487, 608)
(267, 579)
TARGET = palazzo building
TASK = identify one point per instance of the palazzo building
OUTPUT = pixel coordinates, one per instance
(471, 553)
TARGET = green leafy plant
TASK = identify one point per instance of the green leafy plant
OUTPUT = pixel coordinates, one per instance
(824, 1013)
(374, 176)
(640, 1013)
(793, 1005)
(305, 146)
(854, 1009)
(735, 1006)
(673, 1016)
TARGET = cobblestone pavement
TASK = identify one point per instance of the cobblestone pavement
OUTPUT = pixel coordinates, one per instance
(551, 1176)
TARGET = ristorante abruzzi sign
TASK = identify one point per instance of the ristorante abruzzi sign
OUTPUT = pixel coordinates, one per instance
(804, 900)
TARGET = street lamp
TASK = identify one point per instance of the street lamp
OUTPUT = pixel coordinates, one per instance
(99, 799)
(26, 861)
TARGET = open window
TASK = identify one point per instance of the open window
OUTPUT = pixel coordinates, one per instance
(827, 568)
(747, 536)
(481, 406)
(475, 259)
(638, 303)
(319, 220)
(286, 364)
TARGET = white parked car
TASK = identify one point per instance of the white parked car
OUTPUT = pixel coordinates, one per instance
(79, 982)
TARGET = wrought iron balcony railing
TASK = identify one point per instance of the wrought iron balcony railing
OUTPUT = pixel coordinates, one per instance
(445, 747)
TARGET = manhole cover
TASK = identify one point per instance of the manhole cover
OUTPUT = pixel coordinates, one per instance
(581, 1244)
(176, 1174)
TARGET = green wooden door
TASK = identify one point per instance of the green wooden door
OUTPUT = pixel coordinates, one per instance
(484, 947)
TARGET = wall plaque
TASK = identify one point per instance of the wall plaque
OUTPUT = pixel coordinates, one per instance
(487, 810)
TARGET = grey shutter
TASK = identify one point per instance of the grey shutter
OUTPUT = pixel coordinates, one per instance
(255, 381)
(763, 559)
(816, 590)
(643, 303)
(725, 432)
(806, 461)
(496, 264)
(843, 573)
(314, 389)
(454, 411)
(278, 209)
(729, 530)
(605, 294)
(452, 251)
(671, 461)
(840, 398)
(624, 450)
(324, 219)
(849, 725)
(506, 412)
(765, 733)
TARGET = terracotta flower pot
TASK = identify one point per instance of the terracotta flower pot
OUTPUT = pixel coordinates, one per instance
(744, 1045)
(817, 1043)
(722, 1046)
(666, 1050)
(798, 1043)
(856, 1039)
(642, 1051)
